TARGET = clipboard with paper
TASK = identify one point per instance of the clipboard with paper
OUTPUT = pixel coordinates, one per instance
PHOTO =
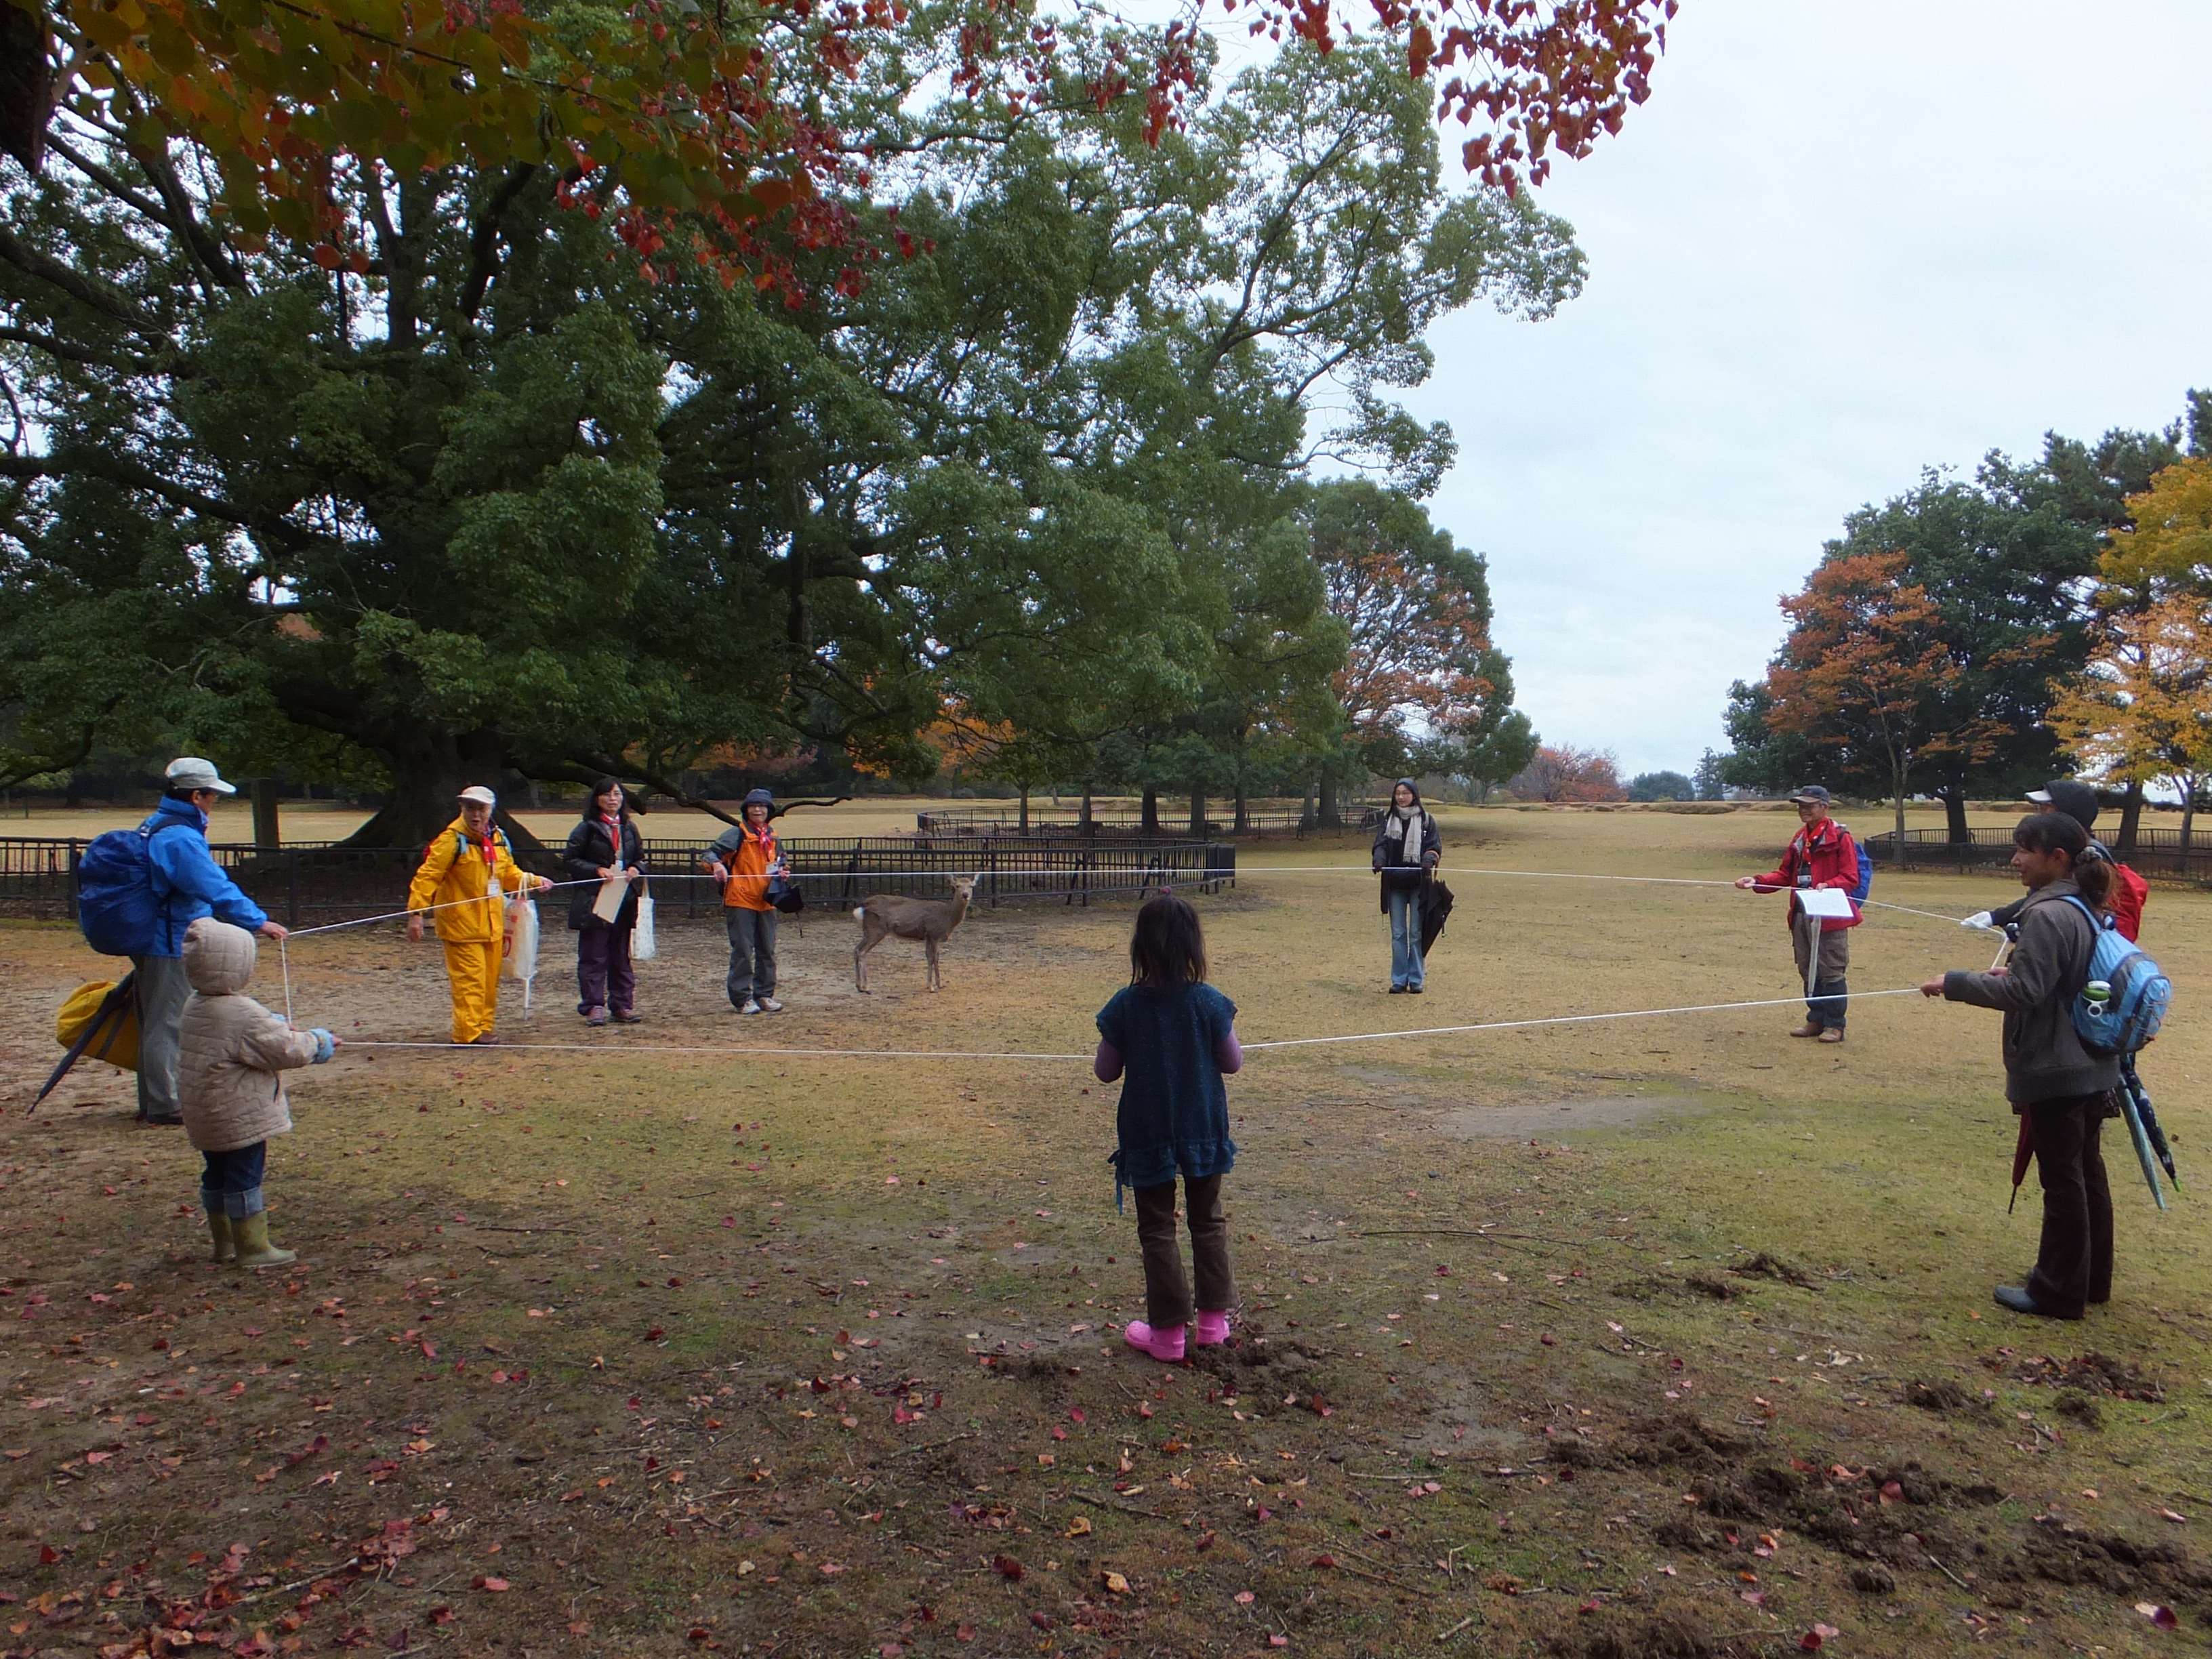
(1823, 901)
(607, 904)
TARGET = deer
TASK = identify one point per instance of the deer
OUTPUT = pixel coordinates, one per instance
(928, 919)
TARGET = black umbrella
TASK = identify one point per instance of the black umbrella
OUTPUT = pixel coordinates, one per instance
(109, 1020)
(1436, 909)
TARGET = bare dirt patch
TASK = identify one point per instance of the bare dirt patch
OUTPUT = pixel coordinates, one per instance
(1519, 1120)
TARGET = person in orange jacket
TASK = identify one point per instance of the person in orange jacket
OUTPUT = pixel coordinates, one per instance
(1820, 855)
(463, 880)
(742, 860)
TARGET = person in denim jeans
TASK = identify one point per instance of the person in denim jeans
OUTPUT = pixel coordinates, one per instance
(1407, 850)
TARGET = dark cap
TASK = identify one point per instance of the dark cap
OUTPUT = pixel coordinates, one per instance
(1812, 792)
(2076, 800)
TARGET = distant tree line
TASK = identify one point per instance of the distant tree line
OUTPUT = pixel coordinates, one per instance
(1971, 637)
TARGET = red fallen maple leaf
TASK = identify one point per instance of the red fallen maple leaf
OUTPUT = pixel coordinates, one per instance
(441, 1614)
(48, 1555)
(1205, 1541)
(1323, 1561)
(1006, 1567)
(1077, 1416)
(656, 1333)
(429, 1349)
(493, 1584)
(320, 1444)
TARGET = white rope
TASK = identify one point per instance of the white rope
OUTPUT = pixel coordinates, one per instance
(1562, 1019)
(285, 957)
(450, 904)
(956, 1053)
(1225, 873)
(709, 1049)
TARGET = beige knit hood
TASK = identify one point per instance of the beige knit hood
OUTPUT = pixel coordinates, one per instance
(231, 1051)
(218, 958)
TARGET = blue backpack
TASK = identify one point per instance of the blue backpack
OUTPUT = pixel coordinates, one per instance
(2140, 992)
(116, 906)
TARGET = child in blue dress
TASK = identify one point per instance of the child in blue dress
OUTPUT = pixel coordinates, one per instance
(1171, 1037)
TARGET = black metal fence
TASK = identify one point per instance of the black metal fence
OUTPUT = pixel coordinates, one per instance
(1271, 817)
(2157, 851)
(307, 883)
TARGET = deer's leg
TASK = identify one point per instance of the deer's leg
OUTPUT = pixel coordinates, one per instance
(859, 956)
(936, 976)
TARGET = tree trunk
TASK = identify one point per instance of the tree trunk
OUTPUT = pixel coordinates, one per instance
(267, 829)
(1198, 815)
(1954, 817)
(2187, 819)
(1330, 816)
(1085, 820)
(1025, 809)
(1306, 809)
(1244, 810)
(1150, 820)
(1897, 782)
(429, 771)
(2131, 806)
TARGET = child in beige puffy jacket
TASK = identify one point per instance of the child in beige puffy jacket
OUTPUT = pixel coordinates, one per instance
(230, 1086)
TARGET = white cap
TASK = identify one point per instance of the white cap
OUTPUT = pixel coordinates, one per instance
(191, 772)
(478, 794)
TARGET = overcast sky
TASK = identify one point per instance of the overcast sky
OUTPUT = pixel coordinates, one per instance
(1840, 243)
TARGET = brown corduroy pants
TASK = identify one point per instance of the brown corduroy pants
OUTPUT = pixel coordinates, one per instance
(1167, 1292)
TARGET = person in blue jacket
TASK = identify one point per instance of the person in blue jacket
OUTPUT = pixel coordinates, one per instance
(188, 884)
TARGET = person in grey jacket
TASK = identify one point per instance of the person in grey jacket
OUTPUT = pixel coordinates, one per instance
(2064, 1089)
(1406, 852)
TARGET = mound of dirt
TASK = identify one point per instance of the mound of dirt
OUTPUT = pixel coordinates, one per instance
(1617, 1635)
(1682, 1442)
(1763, 1266)
(1941, 1395)
(2090, 1373)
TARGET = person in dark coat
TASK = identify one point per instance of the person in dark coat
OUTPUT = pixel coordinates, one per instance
(605, 846)
(1408, 850)
(2051, 1076)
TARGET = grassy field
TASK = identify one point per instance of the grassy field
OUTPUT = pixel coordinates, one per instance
(1666, 1336)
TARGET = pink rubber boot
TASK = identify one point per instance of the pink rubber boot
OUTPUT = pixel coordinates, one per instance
(1163, 1345)
(1213, 1329)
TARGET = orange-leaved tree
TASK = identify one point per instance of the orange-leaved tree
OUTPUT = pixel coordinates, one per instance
(2142, 711)
(1422, 686)
(2169, 550)
(1863, 673)
(1561, 772)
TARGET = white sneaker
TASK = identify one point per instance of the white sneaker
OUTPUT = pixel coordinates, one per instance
(768, 1005)
(750, 1007)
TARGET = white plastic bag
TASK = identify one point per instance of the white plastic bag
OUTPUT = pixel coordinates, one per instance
(640, 938)
(522, 943)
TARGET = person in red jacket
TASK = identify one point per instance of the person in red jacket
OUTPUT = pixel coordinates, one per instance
(2078, 801)
(1820, 855)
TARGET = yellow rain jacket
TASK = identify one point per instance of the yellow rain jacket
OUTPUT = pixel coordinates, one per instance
(458, 867)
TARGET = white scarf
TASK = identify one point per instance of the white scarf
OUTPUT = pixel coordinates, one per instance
(1402, 821)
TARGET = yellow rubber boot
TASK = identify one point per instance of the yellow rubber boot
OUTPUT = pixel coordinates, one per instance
(254, 1249)
(226, 1247)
